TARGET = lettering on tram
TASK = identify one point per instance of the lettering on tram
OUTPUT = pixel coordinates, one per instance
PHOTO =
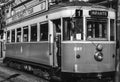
(98, 13)
(22, 14)
(78, 13)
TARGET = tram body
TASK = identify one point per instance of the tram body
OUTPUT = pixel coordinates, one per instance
(86, 41)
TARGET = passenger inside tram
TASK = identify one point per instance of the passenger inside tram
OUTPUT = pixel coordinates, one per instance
(57, 25)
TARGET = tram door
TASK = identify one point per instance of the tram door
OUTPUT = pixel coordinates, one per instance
(57, 42)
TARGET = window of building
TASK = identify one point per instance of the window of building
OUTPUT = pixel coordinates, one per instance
(112, 29)
(19, 35)
(25, 34)
(13, 35)
(8, 36)
(34, 32)
(44, 31)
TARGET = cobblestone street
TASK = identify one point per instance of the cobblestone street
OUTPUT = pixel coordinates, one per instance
(11, 75)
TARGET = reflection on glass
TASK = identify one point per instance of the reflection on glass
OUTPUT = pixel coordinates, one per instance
(25, 34)
(19, 35)
(13, 35)
(73, 29)
(96, 29)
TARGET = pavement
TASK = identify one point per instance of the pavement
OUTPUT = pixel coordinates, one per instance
(11, 75)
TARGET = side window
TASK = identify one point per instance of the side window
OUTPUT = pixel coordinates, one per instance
(13, 35)
(67, 31)
(8, 36)
(34, 32)
(112, 27)
(73, 29)
(25, 34)
(44, 32)
(19, 35)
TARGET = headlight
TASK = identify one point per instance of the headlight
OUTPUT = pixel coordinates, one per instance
(98, 56)
(99, 47)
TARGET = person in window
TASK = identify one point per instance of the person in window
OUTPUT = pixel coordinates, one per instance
(58, 49)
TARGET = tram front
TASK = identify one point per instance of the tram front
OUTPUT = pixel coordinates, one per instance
(88, 46)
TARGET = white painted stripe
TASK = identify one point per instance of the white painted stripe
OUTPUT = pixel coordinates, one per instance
(104, 42)
(28, 42)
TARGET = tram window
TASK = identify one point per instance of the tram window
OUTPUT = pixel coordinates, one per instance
(19, 35)
(25, 34)
(44, 32)
(8, 36)
(13, 35)
(112, 33)
(34, 32)
(67, 29)
(57, 24)
(96, 29)
(73, 29)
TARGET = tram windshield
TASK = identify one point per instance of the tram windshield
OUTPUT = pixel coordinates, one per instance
(72, 29)
(96, 29)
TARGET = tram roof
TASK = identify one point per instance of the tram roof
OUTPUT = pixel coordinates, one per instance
(76, 3)
(62, 5)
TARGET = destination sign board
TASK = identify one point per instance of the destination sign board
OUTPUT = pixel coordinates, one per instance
(98, 13)
(41, 7)
(22, 14)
